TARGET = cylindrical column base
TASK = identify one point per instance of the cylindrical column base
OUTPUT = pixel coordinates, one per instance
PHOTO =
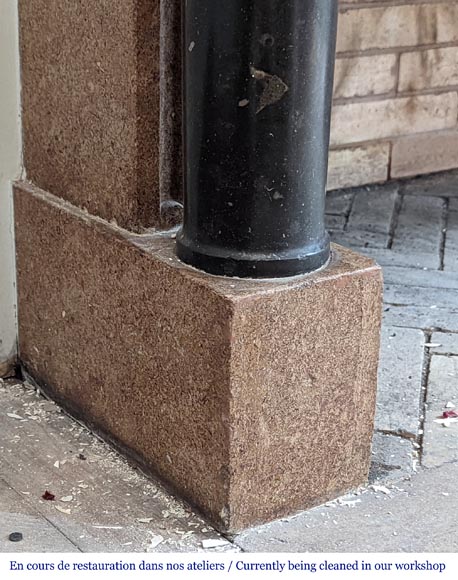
(245, 265)
(257, 105)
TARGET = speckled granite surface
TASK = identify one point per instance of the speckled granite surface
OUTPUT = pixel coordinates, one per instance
(91, 97)
(252, 399)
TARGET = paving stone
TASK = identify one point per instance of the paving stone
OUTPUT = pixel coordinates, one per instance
(453, 204)
(339, 203)
(421, 317)
(18, 515)
(372, 210)
(48, 446)
(451, 243)
(420, 277)
(417, 516)
(38, 535)
(386, 257)
(439, 184)
(335, 222)
(359, 240)
(399, 383)
(418, 296)
(419, 229)
(447, 341)
(418, 235)
(392, 458)
(440, 444)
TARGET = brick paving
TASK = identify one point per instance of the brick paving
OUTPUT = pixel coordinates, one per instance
(411, 229)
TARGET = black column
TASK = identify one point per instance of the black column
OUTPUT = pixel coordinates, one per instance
(257, 97)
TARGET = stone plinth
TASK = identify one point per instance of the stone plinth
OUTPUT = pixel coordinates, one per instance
(101, 116)
(252, 399)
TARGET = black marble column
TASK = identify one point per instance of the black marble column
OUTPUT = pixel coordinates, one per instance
(257, 96)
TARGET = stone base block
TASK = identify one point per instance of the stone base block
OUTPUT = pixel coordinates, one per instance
(252, 399)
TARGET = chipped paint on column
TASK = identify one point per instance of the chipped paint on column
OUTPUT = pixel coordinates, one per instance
(10, 163)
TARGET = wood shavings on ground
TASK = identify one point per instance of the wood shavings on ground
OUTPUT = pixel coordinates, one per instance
(63, 510)
(214, 543)
(155, 541)
(14, 416)
(351, 503)
(381, 489)
(446, 422)
(108, 527)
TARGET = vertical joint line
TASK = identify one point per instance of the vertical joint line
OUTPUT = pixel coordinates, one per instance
(424, 393)
(348, 213)
(443, 236)
(395, 218)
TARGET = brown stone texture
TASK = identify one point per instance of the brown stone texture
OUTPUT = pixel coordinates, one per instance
(171, 165)
(303, 376)
(91, 104)
(252, 399)
(127, 341)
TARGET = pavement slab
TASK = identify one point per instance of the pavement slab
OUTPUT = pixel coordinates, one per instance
(39, 535)
(440, 440)
(419, 230)
(393, 458)
(453, 204)
(444, 343)
(360, 240)
(420, 277)
(335, 222)
(418, 515)
(101, 502)
(424, 317)
(400, 381)
(437, 184)
(451, 243)
(372, 211)
(339, 203)
(401, 295)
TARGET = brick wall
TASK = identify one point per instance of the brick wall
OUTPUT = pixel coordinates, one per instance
(396, 91)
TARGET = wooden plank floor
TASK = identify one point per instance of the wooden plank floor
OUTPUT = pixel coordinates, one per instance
(101, 502)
